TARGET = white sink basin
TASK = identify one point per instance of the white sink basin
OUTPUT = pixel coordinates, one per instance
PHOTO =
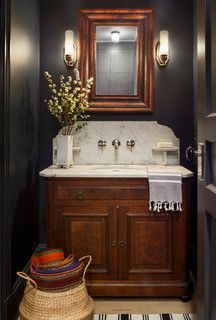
(118, 168)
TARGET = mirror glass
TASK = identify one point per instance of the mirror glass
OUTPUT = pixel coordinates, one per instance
(116, 60)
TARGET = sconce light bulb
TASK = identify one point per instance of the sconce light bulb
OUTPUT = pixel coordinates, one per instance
(115, 36)
(69, 40)
(162, 49)
(164, 43)
(70, 48)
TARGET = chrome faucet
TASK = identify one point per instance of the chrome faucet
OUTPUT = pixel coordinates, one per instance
(116, 143)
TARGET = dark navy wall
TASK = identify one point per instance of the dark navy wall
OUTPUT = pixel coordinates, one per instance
(173, 84)
(19, 124)
(24, 105)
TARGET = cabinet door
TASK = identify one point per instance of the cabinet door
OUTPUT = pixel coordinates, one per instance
(92, 230)
(146, 243)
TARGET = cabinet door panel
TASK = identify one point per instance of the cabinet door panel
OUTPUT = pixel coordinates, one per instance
(92, 230)
(149, 244)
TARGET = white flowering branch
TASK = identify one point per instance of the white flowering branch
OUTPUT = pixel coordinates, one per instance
(69, 103)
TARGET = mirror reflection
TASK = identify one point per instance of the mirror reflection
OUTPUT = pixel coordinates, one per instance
(116, 60)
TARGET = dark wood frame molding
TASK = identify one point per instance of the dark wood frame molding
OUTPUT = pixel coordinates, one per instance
(144, 20)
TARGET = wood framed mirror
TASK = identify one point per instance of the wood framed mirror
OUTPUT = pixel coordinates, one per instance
(116, 49)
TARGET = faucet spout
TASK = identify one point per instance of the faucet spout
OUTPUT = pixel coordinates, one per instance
(116, 143)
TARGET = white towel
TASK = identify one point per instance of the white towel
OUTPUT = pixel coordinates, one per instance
(165, 191)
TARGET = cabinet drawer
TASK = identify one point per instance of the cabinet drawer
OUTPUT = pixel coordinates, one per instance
(76, 190)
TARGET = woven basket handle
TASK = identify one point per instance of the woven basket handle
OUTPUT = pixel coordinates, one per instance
(87, 265)
(68, 258)
(26, 277)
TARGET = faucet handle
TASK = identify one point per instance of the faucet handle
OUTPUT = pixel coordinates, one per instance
(130, 143)
(101, 143)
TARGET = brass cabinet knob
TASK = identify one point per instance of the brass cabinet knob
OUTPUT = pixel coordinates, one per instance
(113, 244)
(121, 244)
(80, 195)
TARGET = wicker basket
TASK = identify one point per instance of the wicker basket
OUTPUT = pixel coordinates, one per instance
(73, 304)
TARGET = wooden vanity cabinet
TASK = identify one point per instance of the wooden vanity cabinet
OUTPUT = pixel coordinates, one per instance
(135, 252)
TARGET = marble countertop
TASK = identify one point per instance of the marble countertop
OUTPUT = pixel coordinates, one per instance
(111, 171)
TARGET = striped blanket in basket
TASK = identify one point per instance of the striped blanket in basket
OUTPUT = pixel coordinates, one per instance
(58, 278)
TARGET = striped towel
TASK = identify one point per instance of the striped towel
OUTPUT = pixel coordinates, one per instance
(165, 191)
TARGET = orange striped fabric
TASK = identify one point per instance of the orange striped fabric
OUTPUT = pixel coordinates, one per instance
(50, 256)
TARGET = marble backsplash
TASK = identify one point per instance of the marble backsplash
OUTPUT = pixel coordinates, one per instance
(146, 135)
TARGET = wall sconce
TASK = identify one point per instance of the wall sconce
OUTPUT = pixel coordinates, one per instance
(115, 36)
(70, 50)
(162, 49)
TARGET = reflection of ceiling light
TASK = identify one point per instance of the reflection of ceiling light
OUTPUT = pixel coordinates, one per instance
(115, 35)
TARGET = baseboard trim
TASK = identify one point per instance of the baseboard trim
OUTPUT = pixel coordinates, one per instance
(11, 303)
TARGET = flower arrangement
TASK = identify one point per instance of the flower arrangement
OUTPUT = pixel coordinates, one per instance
(69, 103)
